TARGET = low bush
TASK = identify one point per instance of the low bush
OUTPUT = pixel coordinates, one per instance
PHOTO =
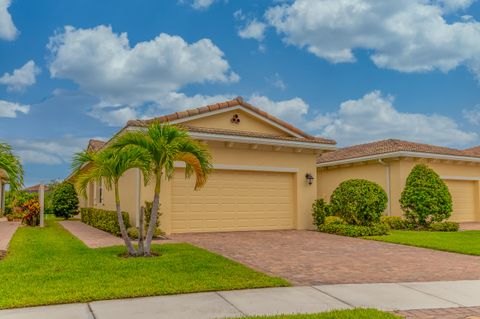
(65, 201)
(320, 210)
(104, 219)
(32, 212)
(395, 222)
(444, 226)
(426, 198)
(148, 215)
(359, 202)
(133, 233)
(338, 228)
(334, 220)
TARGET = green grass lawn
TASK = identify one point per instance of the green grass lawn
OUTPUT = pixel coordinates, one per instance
(464, 242)
(50, 266)
(338, 314)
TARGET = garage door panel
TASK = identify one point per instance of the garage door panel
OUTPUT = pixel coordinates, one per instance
(233, 200)
(463, 200)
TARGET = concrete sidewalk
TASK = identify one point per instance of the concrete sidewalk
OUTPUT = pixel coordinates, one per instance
(240, 303)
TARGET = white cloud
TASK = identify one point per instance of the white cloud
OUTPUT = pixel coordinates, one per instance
(21, 78)
(114, 116)
(253, 30)
(8, 31)
(48, 151)
(198, 4)
(454, 5)
(276, 81)
(11, 109)
(202, 4)
(104, 64)
(404, 35)
(292, 110)
(472, 115)
(374, 117)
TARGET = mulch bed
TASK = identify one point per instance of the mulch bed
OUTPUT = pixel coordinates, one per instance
(3, 254)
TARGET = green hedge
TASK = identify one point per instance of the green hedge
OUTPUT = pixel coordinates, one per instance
(104, 219)
(444, 226)
(395, 222)
(338, 228)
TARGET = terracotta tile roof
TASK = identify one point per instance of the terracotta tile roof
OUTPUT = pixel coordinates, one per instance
(258, 135)
(473, 150)
(95, 145)
(389, 146)
(35, 188)
(213, 107)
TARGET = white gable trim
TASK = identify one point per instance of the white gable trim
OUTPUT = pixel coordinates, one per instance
(260, 140)
(237, 107)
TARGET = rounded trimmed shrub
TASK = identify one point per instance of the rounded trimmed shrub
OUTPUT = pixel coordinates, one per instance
(65, 201)
(426, 198)
(359, 202)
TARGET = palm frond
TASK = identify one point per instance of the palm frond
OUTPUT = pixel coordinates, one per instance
(11, 167)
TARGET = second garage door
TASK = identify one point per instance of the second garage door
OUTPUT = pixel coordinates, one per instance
(463, 197)
(233, 201)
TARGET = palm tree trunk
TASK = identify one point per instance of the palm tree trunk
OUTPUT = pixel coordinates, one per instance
(154, 215)
(121, 224)
(141, 250)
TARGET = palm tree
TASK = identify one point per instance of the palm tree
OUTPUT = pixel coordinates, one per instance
(165, 145)
(11, 169)
(109, 165)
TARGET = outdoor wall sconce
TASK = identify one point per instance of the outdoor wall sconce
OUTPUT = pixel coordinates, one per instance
(309, 178)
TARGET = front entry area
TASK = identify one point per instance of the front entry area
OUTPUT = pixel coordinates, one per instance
(233, 200)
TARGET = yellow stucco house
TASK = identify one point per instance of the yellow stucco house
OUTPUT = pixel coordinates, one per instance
(267, 173)
(389, 162)
(259, 181)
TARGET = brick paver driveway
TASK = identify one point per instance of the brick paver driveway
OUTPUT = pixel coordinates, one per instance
(312, 258)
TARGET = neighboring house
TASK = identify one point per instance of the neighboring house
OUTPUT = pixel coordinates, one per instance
(389, 162)
(35, 189)
(259, 181)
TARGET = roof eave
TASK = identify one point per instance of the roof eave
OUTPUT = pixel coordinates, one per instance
(400, 154)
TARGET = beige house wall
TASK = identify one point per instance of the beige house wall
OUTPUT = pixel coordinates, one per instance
(398, 169)
(226, 156)
(248, 123)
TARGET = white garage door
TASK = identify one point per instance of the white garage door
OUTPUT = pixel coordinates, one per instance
(233, 201)
(463, 197)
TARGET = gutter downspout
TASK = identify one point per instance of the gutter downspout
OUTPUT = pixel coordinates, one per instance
(387, 175)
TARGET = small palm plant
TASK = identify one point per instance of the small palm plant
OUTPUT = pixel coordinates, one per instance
(109, 165)
(166, 144)
(11, 169)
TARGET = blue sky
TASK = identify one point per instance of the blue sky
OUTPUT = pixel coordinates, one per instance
(352, 70)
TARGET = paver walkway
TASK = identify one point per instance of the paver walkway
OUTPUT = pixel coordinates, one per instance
(94, 237)
(457, 302)
(7, 229)
(91, 236)
(470, 226)
(313, 258)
